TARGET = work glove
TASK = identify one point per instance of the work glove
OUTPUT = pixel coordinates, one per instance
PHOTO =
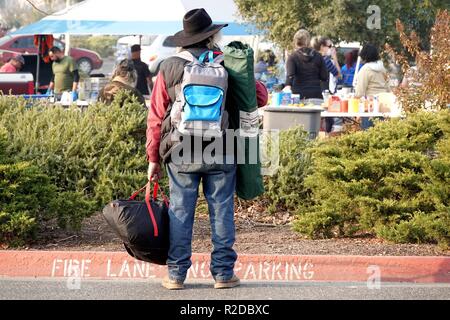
(49, 92)
(74, 96)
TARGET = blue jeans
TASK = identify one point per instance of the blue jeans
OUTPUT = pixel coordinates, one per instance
(219, 183)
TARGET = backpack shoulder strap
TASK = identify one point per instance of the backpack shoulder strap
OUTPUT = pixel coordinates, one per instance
(219, 59)
(186, 55)
(209, 56)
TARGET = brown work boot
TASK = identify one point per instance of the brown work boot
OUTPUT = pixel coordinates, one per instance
(172, 284)
(226, 284)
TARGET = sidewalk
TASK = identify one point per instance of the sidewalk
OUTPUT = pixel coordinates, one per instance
(119, 265)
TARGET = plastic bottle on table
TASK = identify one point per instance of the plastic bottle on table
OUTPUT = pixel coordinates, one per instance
(376, 104)
(353, 104)
(94, 96)
(362, 105)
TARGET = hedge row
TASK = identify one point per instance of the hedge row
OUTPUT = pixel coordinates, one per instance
(391, 181)
(86, 157)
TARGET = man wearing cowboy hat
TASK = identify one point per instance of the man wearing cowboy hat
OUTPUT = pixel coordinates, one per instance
(218, 180)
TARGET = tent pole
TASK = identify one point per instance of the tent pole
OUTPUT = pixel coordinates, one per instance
(38, 65)
(358, 63)
(67, 36)
(67, 44)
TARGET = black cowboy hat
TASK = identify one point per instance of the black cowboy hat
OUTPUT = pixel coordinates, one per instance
(197, 26)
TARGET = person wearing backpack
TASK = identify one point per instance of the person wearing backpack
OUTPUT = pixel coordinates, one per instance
(188, 103)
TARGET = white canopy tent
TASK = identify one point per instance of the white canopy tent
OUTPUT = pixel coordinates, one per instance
(135, 17)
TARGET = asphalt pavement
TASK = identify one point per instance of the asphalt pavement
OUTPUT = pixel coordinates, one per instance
(60, 289)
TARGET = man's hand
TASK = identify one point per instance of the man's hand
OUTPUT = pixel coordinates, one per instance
(154, 171)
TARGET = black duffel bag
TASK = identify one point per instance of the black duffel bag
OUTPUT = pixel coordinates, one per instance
(143, 226)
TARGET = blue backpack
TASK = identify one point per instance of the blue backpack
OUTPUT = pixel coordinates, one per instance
(199, 109)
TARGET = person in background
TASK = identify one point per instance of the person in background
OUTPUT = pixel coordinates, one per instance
(305, 68)
(326, 48)
(260, 68)
(14, 65)
(65, 74)
(271, 58)
(124, 78)
(372, 78)
(144, 76)
(348, 70)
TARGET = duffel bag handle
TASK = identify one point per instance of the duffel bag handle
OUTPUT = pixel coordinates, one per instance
(147, 188)
(136, 193)
(156, 188)
(150, 210)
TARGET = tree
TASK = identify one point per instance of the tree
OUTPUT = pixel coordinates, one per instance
(341, 20)
(279, 20)
(16, 14)
(359, 20)
(428, 85)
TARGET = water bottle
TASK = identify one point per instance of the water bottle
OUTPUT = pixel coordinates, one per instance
(376, 104)
(94, 96)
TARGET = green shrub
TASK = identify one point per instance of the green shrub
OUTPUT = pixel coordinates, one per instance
(392, 180)
(285, 190)
(28, 198)
(99, 152)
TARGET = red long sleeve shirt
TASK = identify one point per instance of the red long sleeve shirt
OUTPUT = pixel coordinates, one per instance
(159, 103)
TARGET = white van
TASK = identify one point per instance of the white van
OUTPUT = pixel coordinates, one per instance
(157, 52)
(123, 47)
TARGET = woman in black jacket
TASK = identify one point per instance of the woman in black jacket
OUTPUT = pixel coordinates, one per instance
(305, 68)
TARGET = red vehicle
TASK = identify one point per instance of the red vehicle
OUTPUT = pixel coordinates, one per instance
(87, 60)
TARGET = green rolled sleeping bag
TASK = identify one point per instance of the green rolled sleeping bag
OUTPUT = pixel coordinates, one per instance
(243, 114)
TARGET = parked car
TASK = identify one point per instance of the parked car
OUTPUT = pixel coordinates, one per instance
(87, 60)
(160, 49)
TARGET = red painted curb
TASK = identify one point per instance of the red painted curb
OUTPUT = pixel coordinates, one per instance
(119, 265)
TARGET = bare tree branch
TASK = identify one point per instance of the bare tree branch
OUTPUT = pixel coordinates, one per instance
(36, 8)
